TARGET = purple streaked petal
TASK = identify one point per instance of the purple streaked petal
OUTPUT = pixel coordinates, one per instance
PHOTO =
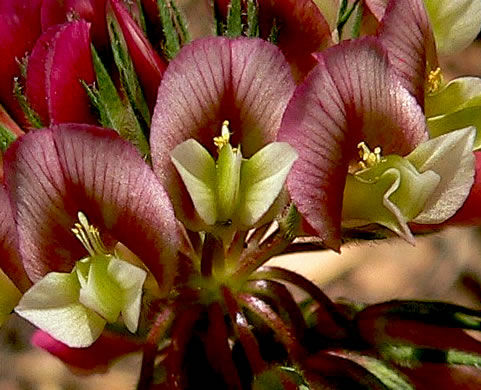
(353, 95)
(9, 257)
(245, 81)
(302, 30)
(55, 173)
(59, 60)
(406, 33)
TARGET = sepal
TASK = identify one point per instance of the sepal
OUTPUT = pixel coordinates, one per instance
(233, 190)
(451, 157)
(262, 179)
(131, 279)
(197, 169)
(52, 304)
(95, 292)
(456, 23)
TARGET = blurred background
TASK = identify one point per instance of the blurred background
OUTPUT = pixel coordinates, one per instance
(442, 266)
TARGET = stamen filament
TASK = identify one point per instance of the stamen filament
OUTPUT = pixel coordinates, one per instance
(368, 159)
(89, 236)
(435, 79)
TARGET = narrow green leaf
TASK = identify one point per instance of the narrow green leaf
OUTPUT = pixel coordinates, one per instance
(128, 77)
(392, 379)
(6, 138)
(29, 112)
(115, 113)
(172, 44)
(410, 356)
(141, 18)
(252, 19)
(274, 34)
(356, 28)
(342, 10)
(182, 30)
(436, 313)
(344, 16)
(464, 358)
(234, 19)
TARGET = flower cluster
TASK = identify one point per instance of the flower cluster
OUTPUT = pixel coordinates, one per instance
(146, 179)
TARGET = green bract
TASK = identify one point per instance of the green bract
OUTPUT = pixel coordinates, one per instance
(456, 105)
(74, 307)
(456, 23)
(233, 190)
(423, 187)
(9, 297)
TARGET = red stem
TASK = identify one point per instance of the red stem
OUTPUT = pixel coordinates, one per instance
(181, 332)
(283, 300)
(217, 347)
(314, 291)
(158, 330)
(242, 329)
(284, 333)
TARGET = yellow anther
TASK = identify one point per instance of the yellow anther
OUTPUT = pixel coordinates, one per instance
(368, 158)
(224, 138)
(435, 79)
(89, 236)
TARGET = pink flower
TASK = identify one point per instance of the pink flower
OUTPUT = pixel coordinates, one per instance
(353, 95)
(244, 81)
(60, 59)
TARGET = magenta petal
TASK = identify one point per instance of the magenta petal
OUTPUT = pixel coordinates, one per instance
(95, 358)
(9, 257)
(148, 65)
(406, 32)
(19, 29)
(59, 60)
(245, 81)
(352, 95)
(55, 173)
(57, 12)
(301, 27)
